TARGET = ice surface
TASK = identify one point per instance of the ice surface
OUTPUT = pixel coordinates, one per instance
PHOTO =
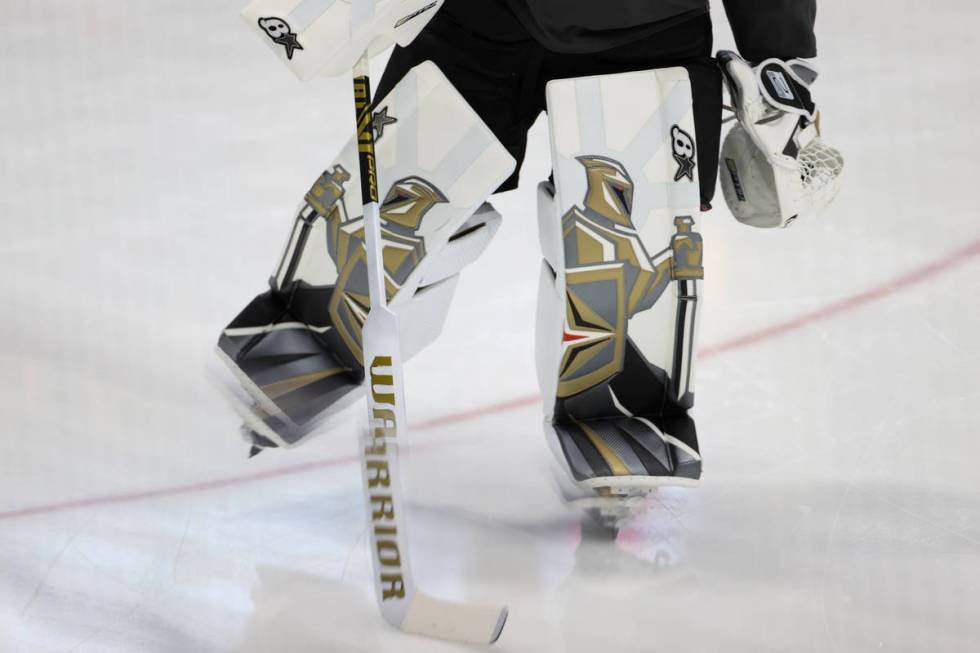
(151, 154)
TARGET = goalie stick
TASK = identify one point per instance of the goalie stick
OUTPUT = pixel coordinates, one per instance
(402, 604)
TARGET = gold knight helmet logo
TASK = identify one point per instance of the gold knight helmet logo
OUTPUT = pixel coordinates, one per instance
(402, 213)
(610, 276)
(408, 202)
(610, 189)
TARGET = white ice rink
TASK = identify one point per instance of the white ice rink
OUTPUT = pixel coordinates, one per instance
(151, 156)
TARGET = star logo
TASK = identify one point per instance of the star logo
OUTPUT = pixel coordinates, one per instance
(382, 120)
(280, 32)
(685, 169)
(291, 43)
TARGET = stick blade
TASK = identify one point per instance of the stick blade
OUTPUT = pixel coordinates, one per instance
(457, 622)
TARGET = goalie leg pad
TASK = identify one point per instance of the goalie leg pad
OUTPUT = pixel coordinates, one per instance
(620, 283)
(297, 348)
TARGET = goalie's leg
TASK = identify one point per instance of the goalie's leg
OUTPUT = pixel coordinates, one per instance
(280, 346)
(296, 349)
(621, 281)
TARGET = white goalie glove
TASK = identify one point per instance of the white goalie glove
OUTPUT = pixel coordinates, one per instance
(775, 168)
(325, 37)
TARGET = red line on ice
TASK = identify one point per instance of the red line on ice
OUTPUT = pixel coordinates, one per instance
(913, 277)
(190, 488)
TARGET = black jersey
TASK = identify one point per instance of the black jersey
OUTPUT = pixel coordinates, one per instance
(762, 28)
(593, 25)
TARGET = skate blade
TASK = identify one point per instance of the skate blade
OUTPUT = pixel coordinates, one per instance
(260, 415)
(611, 502)
(636, 485)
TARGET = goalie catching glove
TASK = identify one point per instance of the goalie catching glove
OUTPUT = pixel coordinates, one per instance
(775, 168)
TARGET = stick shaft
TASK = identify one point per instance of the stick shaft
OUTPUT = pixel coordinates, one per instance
(385, 389)
(364, 112)
(401, 604)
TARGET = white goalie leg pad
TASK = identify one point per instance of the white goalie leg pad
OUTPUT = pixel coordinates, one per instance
(421, 320)
(464, 246)
(550, 315)
(435, 219)
(434, 185)
(620, 283)
(298, 347)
